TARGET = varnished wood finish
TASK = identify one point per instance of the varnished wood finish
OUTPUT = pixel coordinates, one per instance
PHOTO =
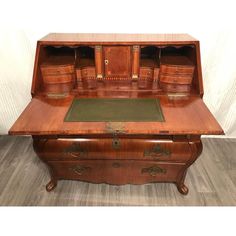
(116, 173)
(45, 116)
(111, 39)
(143, 149)
(136, 61)
(58, 74)
(174, 87)
(117, 66)
(117, 61)
(99, 62)
(176, 74)
(211, 180)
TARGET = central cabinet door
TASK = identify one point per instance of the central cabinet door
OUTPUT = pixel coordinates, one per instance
(117, 61)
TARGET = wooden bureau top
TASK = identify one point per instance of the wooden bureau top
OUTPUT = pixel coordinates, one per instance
(70, 38)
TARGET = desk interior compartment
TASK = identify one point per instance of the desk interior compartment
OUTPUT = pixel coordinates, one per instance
(57, 70)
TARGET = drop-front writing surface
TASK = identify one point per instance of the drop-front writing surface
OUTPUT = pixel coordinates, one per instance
(71, 67)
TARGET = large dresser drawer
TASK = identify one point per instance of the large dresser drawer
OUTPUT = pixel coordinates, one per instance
(116, 171)
(112, 148)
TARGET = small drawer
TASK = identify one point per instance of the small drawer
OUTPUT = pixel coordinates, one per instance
(117, 172)
(88, 72)
(89, 83)
(176, 88)
(176, 69)
(56, 69)
(145, 83)
(58, 79)
(62, 88)
(146, 72)
(176, 79)
(156, 74)
(78, 74)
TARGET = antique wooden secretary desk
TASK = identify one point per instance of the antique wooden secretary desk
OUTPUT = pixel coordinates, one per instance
(117, 108)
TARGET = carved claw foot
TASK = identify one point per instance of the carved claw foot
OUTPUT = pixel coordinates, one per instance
(182, 188)
(51, 185)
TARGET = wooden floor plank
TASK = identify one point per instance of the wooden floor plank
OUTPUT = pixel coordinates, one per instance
(211, 181)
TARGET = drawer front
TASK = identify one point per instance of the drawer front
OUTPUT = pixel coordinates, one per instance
(177, 88)
(117, 171)
(112, 148)
(145, 83)
(57, 79)
(146, 72)
(172, 69)
(57, 70)
(78, 74)
(58, 88)
(88, 72)
(156, 73)
(176, 79)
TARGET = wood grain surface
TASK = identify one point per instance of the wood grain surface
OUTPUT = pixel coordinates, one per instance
(184, 116)
(55, 38)
(212, 181)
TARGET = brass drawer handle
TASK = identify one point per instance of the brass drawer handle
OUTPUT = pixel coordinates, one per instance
(156, 151)
(116, 165)
(153, 170)
(75, 150)
(78, 169)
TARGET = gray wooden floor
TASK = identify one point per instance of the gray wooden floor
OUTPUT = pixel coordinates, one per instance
(211, 181)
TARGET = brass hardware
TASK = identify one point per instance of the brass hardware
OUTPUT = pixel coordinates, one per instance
(106, 62)
(116, 165)
(57, 95)
(153, 170)
(99, 76)
(115, 127)
(78, 169)
(115, 143)
(136, 48)
(98, 48)
(76, 151)
(156, 151)
(134, 76)
(177, 96)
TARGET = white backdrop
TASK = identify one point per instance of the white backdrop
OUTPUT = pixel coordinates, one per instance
(22, 23)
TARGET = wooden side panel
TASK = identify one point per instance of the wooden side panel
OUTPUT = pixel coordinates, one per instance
(199, 69)
(37, 81)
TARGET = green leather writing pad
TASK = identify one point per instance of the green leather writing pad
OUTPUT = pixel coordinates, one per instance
(114, 110)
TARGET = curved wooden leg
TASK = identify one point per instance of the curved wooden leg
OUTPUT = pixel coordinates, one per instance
(182, 188)
(196, 148)
(51, 185)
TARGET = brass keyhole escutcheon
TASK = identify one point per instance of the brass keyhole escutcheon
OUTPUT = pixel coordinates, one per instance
(106, 62)
(116, 143)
